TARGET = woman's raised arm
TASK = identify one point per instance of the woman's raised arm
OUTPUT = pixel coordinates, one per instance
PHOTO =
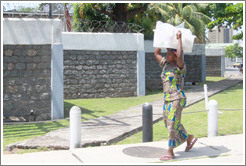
(180, 61)
(158, 54)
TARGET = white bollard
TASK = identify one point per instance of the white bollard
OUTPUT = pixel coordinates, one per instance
(206, 96)
(75, 127)
(212, 118)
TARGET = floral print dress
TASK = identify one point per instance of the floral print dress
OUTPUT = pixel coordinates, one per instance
(174, 101)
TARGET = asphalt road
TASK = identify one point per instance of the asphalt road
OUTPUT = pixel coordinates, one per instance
(232, 71)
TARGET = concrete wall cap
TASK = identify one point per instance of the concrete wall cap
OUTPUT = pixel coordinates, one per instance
(32, 31)
(103, 41)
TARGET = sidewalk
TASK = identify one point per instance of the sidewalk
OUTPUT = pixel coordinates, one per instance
(113, 128)
(219, 150)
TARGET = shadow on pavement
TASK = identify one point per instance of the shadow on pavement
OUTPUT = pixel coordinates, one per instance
(156, 152)
(207, 151)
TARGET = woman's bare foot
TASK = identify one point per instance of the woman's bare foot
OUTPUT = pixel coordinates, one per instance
(168, 156)
(190, 142)
(189, 139)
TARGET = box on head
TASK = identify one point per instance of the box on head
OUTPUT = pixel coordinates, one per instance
(165, 36)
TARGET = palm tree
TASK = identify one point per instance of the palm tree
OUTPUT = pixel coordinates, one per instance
(176, 13)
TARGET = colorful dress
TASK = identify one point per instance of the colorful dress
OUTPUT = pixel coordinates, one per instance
(174, 101)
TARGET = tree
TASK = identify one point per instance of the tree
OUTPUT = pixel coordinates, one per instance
(113, 11)
(106, 12)
(228, 15)
(176, 13)
(234, 51)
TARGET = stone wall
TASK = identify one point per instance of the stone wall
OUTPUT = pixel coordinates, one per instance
(27, 80)
(153, 70)
(215, 62)
(213, 66)
(98, 74)
(195, 63)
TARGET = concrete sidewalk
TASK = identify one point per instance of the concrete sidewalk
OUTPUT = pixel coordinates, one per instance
(113, 128)
(220, 150)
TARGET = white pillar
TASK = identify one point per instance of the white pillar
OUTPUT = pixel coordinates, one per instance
(206, 96)
(140, 66)
(75, 127)
(212, 118)
(57, 106)
(140, 73)
(222, 62)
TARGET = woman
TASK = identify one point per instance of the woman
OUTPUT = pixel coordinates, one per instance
(173, 71)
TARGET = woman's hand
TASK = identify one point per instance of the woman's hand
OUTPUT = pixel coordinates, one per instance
(179, 34)
(180, 61)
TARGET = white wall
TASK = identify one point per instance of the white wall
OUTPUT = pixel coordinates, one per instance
(103, 41)
(32, 31)
(215, 52)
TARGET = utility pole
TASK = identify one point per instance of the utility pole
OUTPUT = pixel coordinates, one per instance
(50, 10)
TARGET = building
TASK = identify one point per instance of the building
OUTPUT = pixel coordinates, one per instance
(224, 35)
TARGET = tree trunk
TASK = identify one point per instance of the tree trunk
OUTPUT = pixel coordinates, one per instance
(120, 12)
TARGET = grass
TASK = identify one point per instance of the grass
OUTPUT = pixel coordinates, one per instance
(230, 122)
(210, 80)
(91, 108)
(20, 132)
(94, 108)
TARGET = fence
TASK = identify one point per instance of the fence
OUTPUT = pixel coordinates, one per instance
(85, 25)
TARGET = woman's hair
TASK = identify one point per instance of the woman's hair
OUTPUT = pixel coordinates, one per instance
(173, 50)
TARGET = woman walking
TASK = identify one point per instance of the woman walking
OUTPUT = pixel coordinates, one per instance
(173, 72)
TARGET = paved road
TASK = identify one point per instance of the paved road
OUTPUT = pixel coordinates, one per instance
(232, 71)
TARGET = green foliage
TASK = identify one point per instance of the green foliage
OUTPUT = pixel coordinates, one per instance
(234, 51)
(27, 10)
(145, 15)
(228, 15)
(176, 13)
(125, 12)
(85, 11)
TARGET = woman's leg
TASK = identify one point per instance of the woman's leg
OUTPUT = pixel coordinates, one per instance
(169, 155)
(176, 131)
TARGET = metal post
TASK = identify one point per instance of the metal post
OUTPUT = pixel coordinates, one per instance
(75, 127)
(147, 123)
(213, 118)
(50, 10)
(206, 95)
